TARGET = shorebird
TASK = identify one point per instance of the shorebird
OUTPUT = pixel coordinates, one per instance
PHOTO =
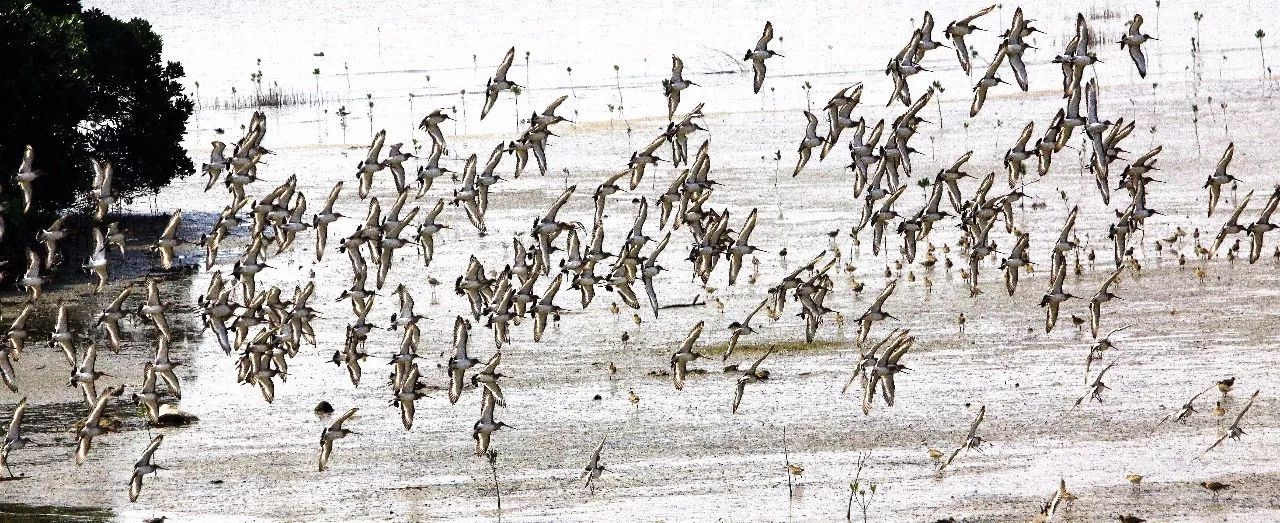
(961, 28)
(168, 241)
(101, 192)
(371, 165)
(85, 375)
(218, 163)
(875, 312)
(988, 80)
(484, 428)
(50, 236)
(1233, 431)
(321, 220)
(672, 87)
(684, 355)
(971, 441)
(428, 173)
(32, 281)
(115, 236)
(62, 337)
(164, 367)
(1059, 497)
(147, 397)
(1187, 409)
(1133, 39)
(880, 371)
(840, 116)
(1214, 487)
(97, 263)
(1018, 154)
(1103, 295)
(93, 425)
(1015, 46)
(546, 308)
(1054, 298)
(1048, 144)
(1012, 265)
(18, 332)
(143, 467)
(811, 139)
(743, 328)
(753, 374)
(27, 173)
(488, 378)
(155, 310)
(469, 196)
(1220, 177)
(1232, 226)
(408, 389)
(1225, 385)
(498, 83)
(1096, 388)
(759, 54)
(8, 376)
(594, 468)
(431, 124)
(1262, 226)
(13, 438)
(643, 157)
(335, 432)
(460, 362)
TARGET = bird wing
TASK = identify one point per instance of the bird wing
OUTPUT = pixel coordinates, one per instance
(1226, 159)
(969, 19)
(766, 37)
(28, 159)
(15, 425)
(375, 148)
(973, 429)
(501, 74)
(337, 424)
(1239, 416)
(551, 109)
(461, 330)
(151, 449)
(171, 230)
(1111, 279)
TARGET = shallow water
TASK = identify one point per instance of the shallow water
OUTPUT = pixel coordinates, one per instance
(681, 455)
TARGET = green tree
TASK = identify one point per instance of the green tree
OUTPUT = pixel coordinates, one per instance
(81, 85)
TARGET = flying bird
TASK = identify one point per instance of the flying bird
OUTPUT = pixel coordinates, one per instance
(759, 54)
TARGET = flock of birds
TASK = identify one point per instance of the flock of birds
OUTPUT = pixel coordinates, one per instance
(264, 330)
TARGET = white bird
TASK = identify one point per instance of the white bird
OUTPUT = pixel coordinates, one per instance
(168, 241)
(25, 175)
(13, 439)
(32, 280)
(102, 174)
(97, 263)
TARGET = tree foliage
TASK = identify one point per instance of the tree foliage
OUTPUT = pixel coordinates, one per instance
(81, 85)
